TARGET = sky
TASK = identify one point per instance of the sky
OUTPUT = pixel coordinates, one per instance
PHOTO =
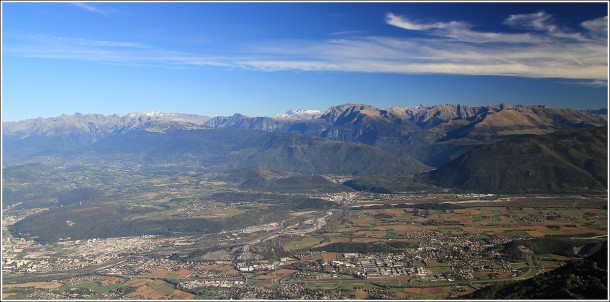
(262, 59)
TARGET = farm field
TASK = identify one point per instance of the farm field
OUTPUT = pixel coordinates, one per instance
(551, 235)
(433, 248)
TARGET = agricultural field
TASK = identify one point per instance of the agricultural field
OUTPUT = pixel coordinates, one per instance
(505, 221)
(548, 236)
(189, 235)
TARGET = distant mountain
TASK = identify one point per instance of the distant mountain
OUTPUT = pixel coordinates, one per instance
(567, 160)
(300, 114)
(30, 137)
(174, 117)
(222, 150)
(98, 125)
(603, 112)
(433, 135)
(405, 136)
(578, 279)
(240, 121)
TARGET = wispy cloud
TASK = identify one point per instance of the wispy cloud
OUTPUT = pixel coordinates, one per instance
(539, 50)
(347, 32)
(541, 21)
(105, 51)
(391, 55)
(89, 8)
(597, 28)
(402, 22)
(589, 83)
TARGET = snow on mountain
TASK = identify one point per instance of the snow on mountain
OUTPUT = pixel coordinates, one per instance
(173, 117)
(300, 114)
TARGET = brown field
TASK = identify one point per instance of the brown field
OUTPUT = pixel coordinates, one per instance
(110, 280)
(360, 294)
(466, 211)
(329, 256)
(42, 285)
(284, 272)
(424, 291)
(143, 289)
(180, 295)
(155, 289)
(6, 295)
(181, 273)
(150, 195)
(535, 234)
(160, 273)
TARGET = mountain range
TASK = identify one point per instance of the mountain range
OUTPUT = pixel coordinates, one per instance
(463, 145)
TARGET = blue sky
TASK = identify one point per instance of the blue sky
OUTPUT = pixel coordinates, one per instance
(261, 59)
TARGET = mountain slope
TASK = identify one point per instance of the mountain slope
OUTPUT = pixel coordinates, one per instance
(578, 279)
(226, 149)
(259, 178)
(240, 121)
(567, 160)
(305, 154)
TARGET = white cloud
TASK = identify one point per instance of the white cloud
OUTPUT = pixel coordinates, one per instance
(89, 8)
(541, 21)
(346, 32)
(537, 21)
(391, 55)
(543, 51)
(597, 28)
(51, 39)
(404, 23)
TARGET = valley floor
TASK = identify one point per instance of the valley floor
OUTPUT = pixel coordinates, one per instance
(388, 246)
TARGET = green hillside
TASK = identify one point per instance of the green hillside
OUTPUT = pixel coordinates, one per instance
(570, 160)
(579, 279)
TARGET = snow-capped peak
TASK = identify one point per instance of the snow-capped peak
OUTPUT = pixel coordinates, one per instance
(300, 114)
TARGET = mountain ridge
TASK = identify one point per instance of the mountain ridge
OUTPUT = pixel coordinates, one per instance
(433, 135)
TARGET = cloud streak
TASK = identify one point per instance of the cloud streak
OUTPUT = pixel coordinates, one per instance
(539, 50)
(89, 8)
(404, 23)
